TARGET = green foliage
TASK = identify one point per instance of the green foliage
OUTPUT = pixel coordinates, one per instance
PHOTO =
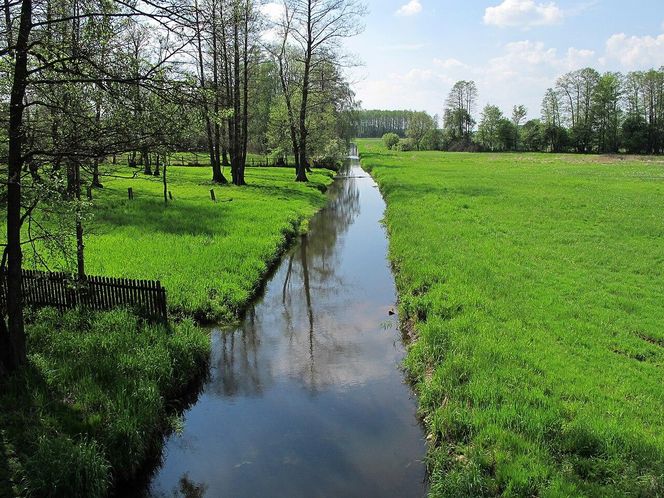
(635, 134)
(532, 136)
(539, 356)
(92, 402)
(210, 256)
(432, 140)
(406, 145)
(390, 140)
(418, 127)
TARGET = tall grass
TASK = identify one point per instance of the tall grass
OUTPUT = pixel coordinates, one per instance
(535, 285)
(93, 402)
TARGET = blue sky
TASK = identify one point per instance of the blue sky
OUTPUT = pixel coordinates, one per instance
(414, 50)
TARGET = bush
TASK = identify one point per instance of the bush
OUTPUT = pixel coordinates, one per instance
(391, 140)
(91, 405)
(406, 145)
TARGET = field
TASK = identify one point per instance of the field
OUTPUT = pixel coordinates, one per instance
(533, 284)
(210, 256)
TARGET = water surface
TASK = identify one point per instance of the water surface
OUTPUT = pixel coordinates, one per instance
(306, 397)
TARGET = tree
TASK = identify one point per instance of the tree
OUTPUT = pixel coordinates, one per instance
(432, 140)
(576, 91)
(459, 107)
(607, 113)
(635, 135)
(553, 131)
(60, 61)
(313, 30)
(519, 113)
(487, 132)
(419, 125)
(532, 136)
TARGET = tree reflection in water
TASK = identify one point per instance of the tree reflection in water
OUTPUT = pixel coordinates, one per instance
(244, 366)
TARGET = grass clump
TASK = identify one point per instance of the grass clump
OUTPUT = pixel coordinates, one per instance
(534, 282)
(93, 402)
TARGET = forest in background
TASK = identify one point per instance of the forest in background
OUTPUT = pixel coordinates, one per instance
(585, 112)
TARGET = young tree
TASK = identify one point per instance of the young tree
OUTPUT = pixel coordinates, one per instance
(553, 131)
(607, 113)
(419, 126)
(459, 109)
(313, 28)
(519, 113)
(488, 130)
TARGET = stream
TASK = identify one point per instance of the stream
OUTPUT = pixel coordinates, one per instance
(306, 397)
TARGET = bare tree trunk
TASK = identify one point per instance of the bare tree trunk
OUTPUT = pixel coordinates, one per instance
(236, 159)
(302, 160)
(16, 355)
(165, 183)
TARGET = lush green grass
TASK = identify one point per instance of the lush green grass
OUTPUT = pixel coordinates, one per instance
(535, 285)
(210, 256)
(93, 401)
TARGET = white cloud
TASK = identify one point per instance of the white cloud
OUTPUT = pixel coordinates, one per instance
(523, 14)
(413, 7)
(533, 59)
(635, 52)
(520, 74)
(449, 63)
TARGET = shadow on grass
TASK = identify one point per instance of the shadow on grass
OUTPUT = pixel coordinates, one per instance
(192, 217)
(37, 429)
(149, 215)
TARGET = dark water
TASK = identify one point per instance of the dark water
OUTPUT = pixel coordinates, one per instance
(306, 398)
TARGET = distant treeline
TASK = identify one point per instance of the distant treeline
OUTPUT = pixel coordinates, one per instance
(585, 112)
(376, 123)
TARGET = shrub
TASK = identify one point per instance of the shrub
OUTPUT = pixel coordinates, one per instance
(391, 140)
(406, 145)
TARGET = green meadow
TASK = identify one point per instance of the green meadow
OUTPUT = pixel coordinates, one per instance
(532, 285)
(210, 256)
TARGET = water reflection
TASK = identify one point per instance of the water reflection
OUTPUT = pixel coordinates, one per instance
(306, 397)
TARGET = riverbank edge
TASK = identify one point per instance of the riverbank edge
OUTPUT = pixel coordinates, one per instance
(205, 317)
(408, 326)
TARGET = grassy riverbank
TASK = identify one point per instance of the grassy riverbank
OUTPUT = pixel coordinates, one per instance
(535, 285)
(93, 402)
(211, 257)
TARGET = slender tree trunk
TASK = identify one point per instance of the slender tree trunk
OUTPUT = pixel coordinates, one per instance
(245, 96)
(145, 156)
(236, 159)
(215, 132)
(16, 355)
(302, 159)
(165, 183)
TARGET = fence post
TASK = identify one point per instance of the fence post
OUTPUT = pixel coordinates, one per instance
(130, 193)
(212, 196)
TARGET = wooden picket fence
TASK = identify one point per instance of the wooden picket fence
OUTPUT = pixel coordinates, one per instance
(63, 291)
